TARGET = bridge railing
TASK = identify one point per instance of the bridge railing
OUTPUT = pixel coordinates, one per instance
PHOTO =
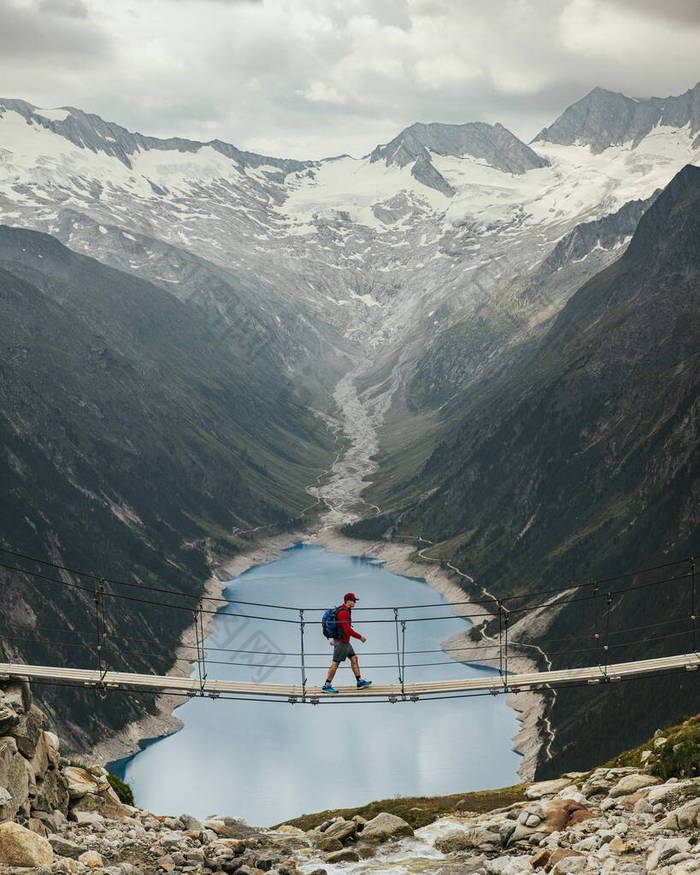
(649, 612)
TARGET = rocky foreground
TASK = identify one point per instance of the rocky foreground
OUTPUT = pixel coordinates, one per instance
(59, 817)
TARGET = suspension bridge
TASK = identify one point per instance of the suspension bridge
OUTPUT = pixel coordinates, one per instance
(598, 602)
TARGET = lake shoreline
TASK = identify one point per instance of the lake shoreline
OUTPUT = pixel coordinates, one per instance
(529, 707)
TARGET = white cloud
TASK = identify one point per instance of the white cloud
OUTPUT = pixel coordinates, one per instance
(321, 92)
(315, 77)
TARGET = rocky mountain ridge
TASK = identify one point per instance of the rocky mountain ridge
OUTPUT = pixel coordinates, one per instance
(89, 131)
(494, 144)
(607, 118)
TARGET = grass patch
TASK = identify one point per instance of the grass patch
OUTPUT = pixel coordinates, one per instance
(421, 810)
(678, 757)
(122, 789)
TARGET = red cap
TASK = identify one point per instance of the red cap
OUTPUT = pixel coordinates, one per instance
(350, 597)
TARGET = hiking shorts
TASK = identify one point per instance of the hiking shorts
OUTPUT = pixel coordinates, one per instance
(342, 651)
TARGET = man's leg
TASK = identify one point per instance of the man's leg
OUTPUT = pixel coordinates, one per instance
(355, 666)
(331, 672)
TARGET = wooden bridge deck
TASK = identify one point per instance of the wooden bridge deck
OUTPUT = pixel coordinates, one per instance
(214, 688)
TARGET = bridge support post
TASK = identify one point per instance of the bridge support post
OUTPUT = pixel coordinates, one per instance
(693, 613)
(403, 659)
(303, 660)
(506, 620)
(201, 655)
(100, 634)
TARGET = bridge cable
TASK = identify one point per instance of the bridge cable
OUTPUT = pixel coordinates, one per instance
(184, 594)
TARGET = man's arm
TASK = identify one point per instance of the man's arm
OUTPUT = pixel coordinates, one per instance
(348, 631)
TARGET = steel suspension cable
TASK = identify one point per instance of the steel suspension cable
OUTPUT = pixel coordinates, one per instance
(184, 594)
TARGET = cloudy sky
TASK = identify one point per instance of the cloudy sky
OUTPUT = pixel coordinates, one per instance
(311, 78)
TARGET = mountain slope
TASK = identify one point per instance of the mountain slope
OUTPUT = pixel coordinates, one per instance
(582, 461)
(134, 441)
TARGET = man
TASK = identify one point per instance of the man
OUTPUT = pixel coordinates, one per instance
(342, 648)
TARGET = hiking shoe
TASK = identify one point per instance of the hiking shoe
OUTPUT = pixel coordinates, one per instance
(361, 684)
(328, 688)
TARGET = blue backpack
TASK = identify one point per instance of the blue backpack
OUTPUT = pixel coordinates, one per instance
(329, 623)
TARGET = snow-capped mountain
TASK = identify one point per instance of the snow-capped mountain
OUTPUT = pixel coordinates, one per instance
(607, 118)
(383, 249)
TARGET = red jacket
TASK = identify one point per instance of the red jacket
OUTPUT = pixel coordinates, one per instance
(343, 619)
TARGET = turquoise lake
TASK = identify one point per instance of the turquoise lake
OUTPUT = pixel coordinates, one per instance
(267, 762)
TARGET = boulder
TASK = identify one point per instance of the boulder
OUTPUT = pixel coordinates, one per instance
(37, 826)
(341, 830)
(562, 854)
(228, 827)
(569, 865)
(452, 842)
(15, 778)
(631, 783)
(619, 846)
(80, 782)
(266, 862)
(51, 792)
(17, 695)
(685, 817)
(601, 780)
(322, 827)
(9, 718)
(663, 850)
(87, 817)
(384, 827)
(466, 866)
(328, 844)
(189, 822)
(54, 820)
(480, 837)
(538, 819)
(28, 731)
(106, 802)
(89, 802)
(668, 791)
(546, 788)
(540, 858)
(562, 813)
(65, 848)
(40, 761)
(22, 847)
(347, 855)
(508, 865)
